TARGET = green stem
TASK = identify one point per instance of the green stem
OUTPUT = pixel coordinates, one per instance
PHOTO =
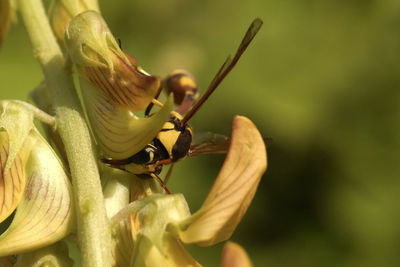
(93, 226)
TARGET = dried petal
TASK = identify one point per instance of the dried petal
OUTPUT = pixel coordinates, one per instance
(234, 255)
(232, 191)
(45, 213)
(119, 133)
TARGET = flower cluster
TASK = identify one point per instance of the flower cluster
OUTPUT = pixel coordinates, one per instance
(147, 227)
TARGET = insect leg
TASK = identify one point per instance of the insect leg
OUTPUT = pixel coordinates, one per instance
(150, 106)
(162, 184)
(168, 173)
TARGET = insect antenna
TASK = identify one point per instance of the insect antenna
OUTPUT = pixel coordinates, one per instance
(226, 67)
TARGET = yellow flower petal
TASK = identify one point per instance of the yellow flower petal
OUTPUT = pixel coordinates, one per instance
(232, 191)
(123, 244)
(126, 86)
(12, 182)
(143, 240)
(15, 124)
(146, 253)
(234, 255)
(119, 133)
(177, 254)
(100, 60)
(18, 122)
(45, 213)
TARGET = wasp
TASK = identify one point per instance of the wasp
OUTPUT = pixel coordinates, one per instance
(174, 141)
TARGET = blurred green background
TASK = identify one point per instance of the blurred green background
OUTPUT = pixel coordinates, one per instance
(321, 78)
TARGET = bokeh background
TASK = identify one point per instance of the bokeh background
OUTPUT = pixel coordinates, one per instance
(321, 78)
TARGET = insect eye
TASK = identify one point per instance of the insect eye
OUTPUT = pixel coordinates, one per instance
(182, 145)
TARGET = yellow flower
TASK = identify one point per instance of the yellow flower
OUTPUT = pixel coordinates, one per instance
(99, 59)
(112, 86)
(32, 180)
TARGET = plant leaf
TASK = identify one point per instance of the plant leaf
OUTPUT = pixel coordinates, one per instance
(232, 191)
(45, 213)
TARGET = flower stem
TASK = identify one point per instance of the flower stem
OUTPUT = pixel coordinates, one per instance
(92, 223)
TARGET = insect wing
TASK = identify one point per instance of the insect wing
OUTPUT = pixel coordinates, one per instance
(212, 143)
(208, 144)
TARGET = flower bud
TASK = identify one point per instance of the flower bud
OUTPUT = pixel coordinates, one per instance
(62, 11)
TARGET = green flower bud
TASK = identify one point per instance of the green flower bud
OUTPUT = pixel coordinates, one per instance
(62, 11)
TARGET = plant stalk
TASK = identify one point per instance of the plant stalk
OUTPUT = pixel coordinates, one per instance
(92, 224)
